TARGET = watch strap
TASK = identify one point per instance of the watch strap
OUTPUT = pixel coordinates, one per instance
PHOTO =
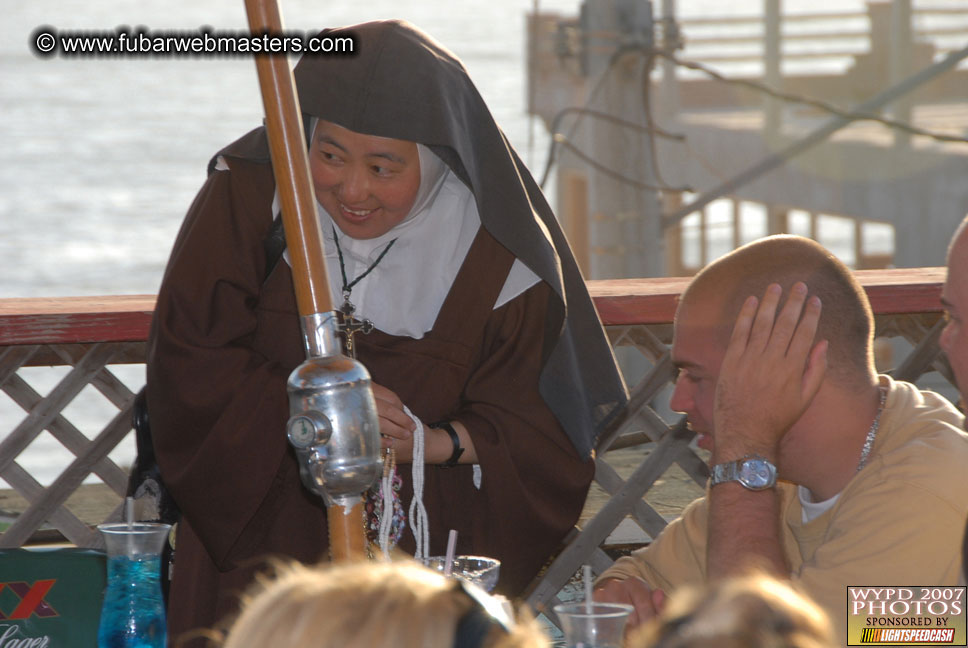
(454, 439)
(725, 472)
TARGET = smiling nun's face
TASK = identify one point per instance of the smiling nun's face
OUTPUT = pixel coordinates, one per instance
(368, 184)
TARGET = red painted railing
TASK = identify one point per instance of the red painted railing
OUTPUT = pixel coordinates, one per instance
(620, 302)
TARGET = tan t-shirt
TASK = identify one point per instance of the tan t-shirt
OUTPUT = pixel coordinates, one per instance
(899, 521)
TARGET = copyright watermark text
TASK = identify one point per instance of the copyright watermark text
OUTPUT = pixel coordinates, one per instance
(123, 42)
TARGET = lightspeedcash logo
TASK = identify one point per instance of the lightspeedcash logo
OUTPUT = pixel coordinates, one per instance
(907, 636)
(915, 615)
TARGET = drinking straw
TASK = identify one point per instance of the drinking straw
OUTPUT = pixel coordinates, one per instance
(451, 546)
(129, 518)
(587, 577)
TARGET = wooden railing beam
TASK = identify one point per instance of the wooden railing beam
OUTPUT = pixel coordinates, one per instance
(619, 302)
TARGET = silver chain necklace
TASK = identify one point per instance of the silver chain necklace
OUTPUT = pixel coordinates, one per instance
(871, 433)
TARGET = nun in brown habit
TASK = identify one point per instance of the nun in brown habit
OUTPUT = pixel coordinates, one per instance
(437, 233)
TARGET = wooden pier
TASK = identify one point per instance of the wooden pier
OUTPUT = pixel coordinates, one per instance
(640, 135)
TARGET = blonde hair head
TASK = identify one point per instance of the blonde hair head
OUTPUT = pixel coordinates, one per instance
(755, 611)
(362, 605)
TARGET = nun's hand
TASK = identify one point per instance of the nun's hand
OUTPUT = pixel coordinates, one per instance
(396, 428)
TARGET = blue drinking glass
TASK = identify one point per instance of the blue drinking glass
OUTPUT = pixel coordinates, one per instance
(133, 613)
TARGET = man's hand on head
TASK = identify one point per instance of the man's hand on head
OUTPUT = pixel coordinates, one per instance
(771, 372)
(647, 602)
(769, 375)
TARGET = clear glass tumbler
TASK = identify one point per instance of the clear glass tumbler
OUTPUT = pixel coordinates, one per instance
(480, 570)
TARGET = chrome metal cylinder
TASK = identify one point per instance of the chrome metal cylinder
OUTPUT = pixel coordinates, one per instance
(320, 335)
(333, 422)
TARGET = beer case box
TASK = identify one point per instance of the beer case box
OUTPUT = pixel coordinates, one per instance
(51, 598)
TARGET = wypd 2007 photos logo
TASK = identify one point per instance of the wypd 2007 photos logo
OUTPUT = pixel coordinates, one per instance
(916, 615)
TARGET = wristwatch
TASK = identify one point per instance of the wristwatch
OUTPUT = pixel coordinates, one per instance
(752, 471)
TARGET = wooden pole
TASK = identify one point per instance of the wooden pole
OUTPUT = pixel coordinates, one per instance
(291, 166)
(346, 534)
(303, 236)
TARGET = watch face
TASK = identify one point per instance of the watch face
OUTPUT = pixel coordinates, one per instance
(757, 474)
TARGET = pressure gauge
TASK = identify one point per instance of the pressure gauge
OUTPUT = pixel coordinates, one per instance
(308, 429)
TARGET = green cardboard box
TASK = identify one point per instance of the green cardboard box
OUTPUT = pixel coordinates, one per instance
(51, 598)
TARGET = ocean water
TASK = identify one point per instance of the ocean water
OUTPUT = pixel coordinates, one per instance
(103, 156)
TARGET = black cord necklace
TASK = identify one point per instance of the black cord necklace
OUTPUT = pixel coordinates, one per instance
(350, 324)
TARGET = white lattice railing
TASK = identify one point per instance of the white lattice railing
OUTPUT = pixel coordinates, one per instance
(92, 336)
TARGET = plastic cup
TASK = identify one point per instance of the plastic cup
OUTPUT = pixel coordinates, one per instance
(133, 613)
(599, 625)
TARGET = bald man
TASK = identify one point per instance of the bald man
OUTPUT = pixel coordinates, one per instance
(822, 471)
(954, 337)
(954, 298)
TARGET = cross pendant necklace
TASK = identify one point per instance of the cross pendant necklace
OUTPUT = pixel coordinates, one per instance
(350, 325)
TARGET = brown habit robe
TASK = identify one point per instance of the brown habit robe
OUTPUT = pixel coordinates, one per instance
(532, 381)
